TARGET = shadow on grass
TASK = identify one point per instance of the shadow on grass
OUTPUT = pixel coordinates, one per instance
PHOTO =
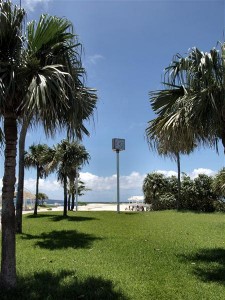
(208, 264)
(197, 212)
(63, 285)
(62, 239)
(57, 218)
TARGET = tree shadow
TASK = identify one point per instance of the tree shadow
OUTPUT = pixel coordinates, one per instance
(132, 213)
(208, 264)
(197, 212)
(57, 218)
(62, 239)
(63, 285)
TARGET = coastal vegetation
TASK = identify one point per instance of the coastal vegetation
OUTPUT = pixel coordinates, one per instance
(190, 106)
(204, 193)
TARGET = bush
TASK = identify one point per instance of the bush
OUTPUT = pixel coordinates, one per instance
(219, 206)
(165, 201)
(197, 194)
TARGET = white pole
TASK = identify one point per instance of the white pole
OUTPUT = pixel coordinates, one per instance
(118, 181)
(76, 189)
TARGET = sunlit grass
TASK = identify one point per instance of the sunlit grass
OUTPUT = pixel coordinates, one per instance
(105, 255)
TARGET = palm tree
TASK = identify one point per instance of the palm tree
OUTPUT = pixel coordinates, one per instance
(194, 96)
(77, 188)
(68, 157)
(38, 157)
(34, 85)
(42, 197)
(171, 143)
(72, 174)
(191, 108)
(58, 47)
(10, 22)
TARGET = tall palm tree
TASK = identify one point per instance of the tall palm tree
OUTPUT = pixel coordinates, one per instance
(38, 87)
(171, 143)
(38, 157)
(191, 107)
(10, 49)
(58, 47)
(194, 96)
(68, 156)
(72, 174)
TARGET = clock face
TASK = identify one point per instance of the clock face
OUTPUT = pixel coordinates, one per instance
(118, 144)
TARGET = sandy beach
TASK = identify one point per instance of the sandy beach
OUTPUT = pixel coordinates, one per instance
(87, 207)
(95, 207)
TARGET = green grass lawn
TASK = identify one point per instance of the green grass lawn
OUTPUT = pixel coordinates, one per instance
(105, 255)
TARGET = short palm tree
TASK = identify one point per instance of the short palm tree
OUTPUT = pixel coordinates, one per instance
(33, 85)
(68, 157)
(38, 157)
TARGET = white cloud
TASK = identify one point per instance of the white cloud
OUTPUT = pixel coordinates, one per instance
(103, 188)
(167, 173)
(136, 198)
(31, 4)
(132, 181)
(193, 174)
(93, 59)
(98, 183)
(198, 171)
(45, 185)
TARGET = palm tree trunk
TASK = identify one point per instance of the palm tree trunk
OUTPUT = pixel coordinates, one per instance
(178, 180)
(73, 198)
(37, 186)
(65, 196)
(8, 256)
(69, 201)
(20, 188)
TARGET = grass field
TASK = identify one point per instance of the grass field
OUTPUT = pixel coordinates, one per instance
(105, 255)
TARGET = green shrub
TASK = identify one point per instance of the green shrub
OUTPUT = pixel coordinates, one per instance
(219, 205)
(165, 201)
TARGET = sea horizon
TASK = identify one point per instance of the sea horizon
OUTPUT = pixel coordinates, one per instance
(60, 202)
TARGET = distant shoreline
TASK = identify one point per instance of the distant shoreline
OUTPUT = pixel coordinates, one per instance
(52, 201)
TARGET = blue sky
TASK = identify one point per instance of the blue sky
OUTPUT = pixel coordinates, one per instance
(127, 44)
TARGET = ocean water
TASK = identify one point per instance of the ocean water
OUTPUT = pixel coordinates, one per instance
(54, 202)
(61, 202)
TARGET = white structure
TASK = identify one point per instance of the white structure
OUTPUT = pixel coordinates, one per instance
(136, 203)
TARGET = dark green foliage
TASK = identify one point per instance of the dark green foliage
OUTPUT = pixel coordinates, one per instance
(166, 201)
(197, 195)
(219, 205)
(219, 183)
(172, 185)
(155, 185)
